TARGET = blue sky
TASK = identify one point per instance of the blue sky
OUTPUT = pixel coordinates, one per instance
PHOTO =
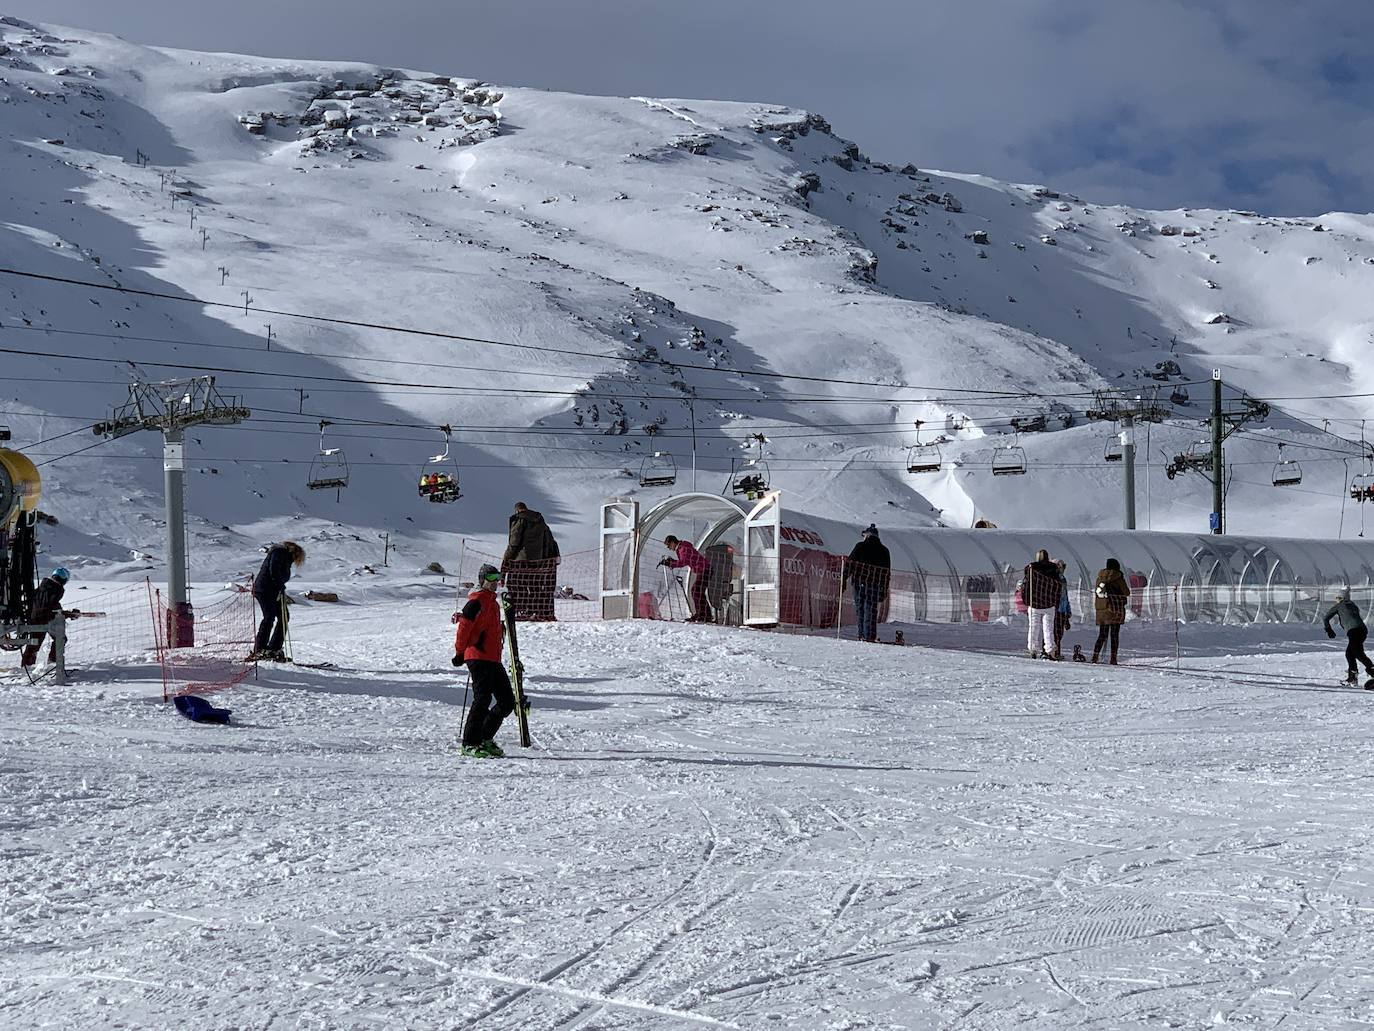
(1262, 104)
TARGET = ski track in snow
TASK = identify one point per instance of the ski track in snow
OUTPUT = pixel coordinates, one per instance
(713, 829)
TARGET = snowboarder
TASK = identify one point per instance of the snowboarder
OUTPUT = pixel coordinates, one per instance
(870, 567)
(269, 590)
(530, 565)
(1063, 612)
(685, 556)
(1109, 602)
(1040, 587)
(1348, 614)
(478, 643)
(47, 602)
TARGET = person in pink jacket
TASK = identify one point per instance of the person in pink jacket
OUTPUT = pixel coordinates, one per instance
(687, 557)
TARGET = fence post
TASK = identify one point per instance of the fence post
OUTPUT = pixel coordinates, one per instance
(839, 597)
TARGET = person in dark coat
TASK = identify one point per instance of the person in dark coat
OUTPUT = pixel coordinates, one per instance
(1348, 615)
(47, 602)
(478, 642)
(1041, 590)
(1063, 612)
(1110, 596)
(269, 590)
(869, 566)
(530, 564)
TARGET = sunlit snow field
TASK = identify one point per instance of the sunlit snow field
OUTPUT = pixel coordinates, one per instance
(715, 828)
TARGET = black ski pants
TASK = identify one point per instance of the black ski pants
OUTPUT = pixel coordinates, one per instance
(1112, 630)
(493, 700)
(272, 629)
(1354, 650)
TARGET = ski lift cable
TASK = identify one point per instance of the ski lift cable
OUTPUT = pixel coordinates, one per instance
(464, 338)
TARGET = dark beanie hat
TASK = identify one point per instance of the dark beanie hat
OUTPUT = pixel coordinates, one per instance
(871, 530)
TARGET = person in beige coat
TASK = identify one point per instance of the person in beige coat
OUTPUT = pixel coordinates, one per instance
(1110, 595)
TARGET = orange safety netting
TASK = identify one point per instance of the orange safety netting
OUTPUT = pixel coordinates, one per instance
(563, 588)
(223, 635)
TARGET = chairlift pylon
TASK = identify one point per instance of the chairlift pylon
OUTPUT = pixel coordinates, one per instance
(329, 468)
(923, 458)
(439, 478)
(658, 470)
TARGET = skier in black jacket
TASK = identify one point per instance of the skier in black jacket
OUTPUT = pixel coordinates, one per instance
(269, 588)
(47, 602)
(870, 567)
(1355, 633)
(1041, 589)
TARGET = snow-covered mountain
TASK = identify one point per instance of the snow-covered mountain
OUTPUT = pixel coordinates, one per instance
(609, 272)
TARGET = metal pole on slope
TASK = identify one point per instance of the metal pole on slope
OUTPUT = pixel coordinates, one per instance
(1218, 471)
(1128, 463)
(692, 411)
(174, 488)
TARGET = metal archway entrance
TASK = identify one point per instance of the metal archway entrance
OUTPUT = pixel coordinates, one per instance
(625, 534)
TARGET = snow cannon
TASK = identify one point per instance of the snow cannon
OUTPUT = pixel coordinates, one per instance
(19, 493)
(20, 487)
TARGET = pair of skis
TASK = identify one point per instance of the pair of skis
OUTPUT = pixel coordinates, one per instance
(517, 673)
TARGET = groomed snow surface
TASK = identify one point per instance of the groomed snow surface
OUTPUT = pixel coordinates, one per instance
(715, 828)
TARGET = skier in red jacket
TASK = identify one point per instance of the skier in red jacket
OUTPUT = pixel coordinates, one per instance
(478, 642)
(687, 557)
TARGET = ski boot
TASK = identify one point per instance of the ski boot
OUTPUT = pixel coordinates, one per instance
(492, 749)
(1351, 679)
(1032, 653)
(475, 752)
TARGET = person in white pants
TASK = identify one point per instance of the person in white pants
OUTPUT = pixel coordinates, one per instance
(1041, 589)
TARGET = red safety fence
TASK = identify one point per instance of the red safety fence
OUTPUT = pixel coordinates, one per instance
(223, 634)
(109, 633)
(564, 588)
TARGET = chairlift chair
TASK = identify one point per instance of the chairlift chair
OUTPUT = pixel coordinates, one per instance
(1287, 472)
(1179, 396)
(329, 469)
(1009, 461)
(749, 477)
(1115, 451)
(439, 478)
(923, 458)
(1362, 487)
(658, 470)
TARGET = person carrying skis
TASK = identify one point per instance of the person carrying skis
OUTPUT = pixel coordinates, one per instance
(530, 564)
(685, 556)
(47, 602)
(870, 567)
(1041, 591)
(1063, 612)
(1109, 602)
(1356, 632)
(269, 590)
(478, 642)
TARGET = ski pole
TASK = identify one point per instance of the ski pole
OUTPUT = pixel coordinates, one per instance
(467, 685)
(285, 624)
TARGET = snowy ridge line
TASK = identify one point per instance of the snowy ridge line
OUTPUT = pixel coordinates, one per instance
(574, 993)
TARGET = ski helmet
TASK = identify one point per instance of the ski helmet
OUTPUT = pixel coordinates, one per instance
(61, 575)
(488, 572)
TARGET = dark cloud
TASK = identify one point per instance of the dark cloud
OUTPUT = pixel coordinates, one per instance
(1161, 103)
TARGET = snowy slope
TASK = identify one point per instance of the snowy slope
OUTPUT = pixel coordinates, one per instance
(714, 829)
(722, 239)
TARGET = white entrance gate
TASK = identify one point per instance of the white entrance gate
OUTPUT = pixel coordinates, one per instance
(619, 558)
(762, 567)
